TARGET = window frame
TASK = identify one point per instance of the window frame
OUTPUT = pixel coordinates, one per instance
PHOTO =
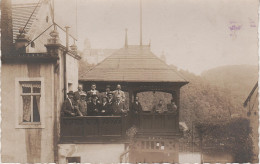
(19, 107)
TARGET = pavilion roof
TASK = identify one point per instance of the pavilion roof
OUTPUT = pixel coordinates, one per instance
(132, 64)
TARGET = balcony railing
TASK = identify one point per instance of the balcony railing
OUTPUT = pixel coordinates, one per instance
(113, 128)
(93, 128)
(162, 124)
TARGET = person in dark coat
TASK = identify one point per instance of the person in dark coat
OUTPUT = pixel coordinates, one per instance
(93, 106)
(136, 110)
(119, 92)
(172, 107)
(110, 101)
(105, 108)
(69, 107)
(105, 94)
(78, 93)
(119, 107)
(110, 98)
(136, 106)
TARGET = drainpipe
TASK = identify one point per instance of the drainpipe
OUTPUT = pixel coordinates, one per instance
(65, 62)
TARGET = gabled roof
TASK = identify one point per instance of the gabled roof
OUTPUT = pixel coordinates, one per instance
(21, 14)
(39, 17)
(132, 64)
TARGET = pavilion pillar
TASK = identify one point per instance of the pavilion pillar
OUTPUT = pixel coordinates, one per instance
(177, 93)
(135, 94)
(175, 97)
(130, 92)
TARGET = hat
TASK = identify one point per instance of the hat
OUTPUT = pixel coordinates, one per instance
(110, 93)
(83, 94)
(94, 95)
(70, 93)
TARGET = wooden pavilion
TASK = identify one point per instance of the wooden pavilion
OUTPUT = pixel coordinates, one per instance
(137, 70)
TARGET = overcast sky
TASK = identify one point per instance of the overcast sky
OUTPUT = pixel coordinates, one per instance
(194, 35)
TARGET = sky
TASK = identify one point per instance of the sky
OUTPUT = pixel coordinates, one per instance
(194, 35)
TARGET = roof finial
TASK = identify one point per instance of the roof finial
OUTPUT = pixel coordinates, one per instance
(141, 42)
(126, 41)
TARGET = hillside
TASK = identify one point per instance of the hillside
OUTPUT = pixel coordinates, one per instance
(237, 79)
(205, 102)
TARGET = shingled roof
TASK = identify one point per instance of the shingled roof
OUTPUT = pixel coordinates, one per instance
(132, 64)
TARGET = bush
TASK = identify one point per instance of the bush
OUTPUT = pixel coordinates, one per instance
(232, 136)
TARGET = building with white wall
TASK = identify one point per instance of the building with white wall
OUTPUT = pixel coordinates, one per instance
(37, 72)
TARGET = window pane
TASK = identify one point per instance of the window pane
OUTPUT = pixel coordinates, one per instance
(36, 90)
(26, 108)
(73, 159)
(36, 87)
(36, 108)
(26, 89)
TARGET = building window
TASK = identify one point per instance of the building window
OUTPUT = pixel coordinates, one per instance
(73, 159)
(70, 87)
(31, 96)
(32, 44)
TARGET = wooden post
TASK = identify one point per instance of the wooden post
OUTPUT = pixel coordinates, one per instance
(130, 99)
(135, 94)
(176, 97)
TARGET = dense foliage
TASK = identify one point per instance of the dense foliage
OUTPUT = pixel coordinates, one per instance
(232, 137)
(237, 79)
(204, 102)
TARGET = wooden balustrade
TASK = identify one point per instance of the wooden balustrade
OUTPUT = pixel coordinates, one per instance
(113, 128)
(92, 128)
(154, 123)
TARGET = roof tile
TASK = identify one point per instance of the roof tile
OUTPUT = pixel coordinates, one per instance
(132, 64)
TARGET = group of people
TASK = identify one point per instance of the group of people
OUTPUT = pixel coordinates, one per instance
(93, 103)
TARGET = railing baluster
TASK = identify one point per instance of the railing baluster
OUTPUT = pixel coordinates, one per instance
(98, 126)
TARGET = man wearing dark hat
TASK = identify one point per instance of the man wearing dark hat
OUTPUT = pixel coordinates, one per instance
(105, 108)
(136, 110)
(69, 108)
(110, 98)
(93, 106)
(136, 106)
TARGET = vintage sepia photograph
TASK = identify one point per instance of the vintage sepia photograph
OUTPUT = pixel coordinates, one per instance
(129, 81)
